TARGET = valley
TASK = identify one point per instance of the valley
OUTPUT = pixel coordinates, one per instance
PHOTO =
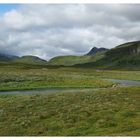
(89, 95)
(64, 102)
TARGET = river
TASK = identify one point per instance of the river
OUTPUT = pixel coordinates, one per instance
(120, 83)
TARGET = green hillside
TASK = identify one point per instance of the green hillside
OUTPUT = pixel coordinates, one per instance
(30, 60)
(72, 60)
(125, 56)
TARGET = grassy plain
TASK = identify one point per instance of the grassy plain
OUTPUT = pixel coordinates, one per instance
(106, 112)
(112, 112)
(21, 79)
(17, 78)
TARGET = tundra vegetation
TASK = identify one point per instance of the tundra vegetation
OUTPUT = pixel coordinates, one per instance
(110, 110)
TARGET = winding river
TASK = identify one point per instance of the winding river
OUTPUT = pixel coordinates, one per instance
(120, 83)
(124, 82)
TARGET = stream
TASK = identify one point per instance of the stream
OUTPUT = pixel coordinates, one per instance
(121, 83)
(124, 82)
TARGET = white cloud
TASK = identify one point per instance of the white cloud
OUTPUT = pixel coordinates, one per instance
(50, 30)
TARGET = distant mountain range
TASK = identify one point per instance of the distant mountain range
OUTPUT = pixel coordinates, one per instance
(125, 56)
(6, 58)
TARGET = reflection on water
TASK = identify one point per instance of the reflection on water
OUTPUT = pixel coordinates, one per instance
(70, 90)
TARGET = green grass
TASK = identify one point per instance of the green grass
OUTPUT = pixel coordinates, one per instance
(32, 78)
(72, 60)
(108, 112)
(105, 112)
(21, 79)
(112, 112)
(30, 60)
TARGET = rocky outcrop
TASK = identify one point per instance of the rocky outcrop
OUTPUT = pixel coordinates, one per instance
(130, 48)
(95, 50)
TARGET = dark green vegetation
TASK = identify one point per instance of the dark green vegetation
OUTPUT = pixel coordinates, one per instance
(123, 56)
(112, 112)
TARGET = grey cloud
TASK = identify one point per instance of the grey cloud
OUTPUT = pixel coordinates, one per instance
(50, 30)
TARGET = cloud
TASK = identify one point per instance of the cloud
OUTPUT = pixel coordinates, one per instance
(47, 30)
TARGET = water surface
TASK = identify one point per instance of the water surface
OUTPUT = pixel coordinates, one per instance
(121, 83)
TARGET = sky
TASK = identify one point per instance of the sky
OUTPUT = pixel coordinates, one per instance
(49, 30)
(7, 7)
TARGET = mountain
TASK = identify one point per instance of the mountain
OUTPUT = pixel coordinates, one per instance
(7, 57)
(29, 59)
(95, 50)
(12, 59)
(72, 60)
(68, 60)
(129, 48)
(93, 55)
(124, 56)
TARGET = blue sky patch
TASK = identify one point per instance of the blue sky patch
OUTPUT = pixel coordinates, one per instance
(7, 7)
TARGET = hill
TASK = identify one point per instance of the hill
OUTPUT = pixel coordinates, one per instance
(124, 56)
(72, 60)
(30, 60)
(93, 55)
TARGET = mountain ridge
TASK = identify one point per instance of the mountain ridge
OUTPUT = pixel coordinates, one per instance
(126, 55)
(29, 59)
(6, 57)
(95, 50)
